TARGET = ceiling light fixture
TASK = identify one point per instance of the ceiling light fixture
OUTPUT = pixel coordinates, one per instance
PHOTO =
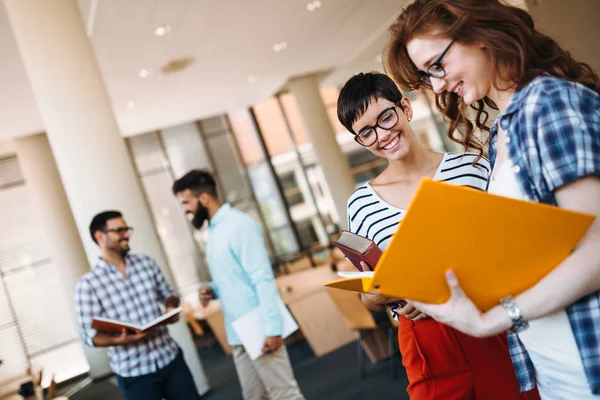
(251, 79)
(144, 72)
(162, 30)
(313, 5)
(279, 47)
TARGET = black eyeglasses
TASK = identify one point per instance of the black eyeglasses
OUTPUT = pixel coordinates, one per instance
(120, 231)
(387, 119)
(435, 70)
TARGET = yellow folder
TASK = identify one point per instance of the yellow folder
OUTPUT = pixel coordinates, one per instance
(495, 245)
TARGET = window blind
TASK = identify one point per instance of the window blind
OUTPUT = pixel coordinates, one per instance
(35, 316)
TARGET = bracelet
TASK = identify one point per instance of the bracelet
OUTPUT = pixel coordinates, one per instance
(514, 312)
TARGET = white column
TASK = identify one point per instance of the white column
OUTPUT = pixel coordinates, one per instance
(331, 159)
(90, 153)
(61, 235)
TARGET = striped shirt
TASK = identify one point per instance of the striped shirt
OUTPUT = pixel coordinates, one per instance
(372, 217)
(105, 292)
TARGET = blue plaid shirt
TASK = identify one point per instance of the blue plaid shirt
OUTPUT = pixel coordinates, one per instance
(553, 138)
(105, 292)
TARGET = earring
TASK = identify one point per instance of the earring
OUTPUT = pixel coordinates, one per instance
(409, 118)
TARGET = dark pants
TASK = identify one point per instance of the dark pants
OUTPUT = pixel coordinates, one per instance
(173, 382)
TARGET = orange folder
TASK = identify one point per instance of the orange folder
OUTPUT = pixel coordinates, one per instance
(495, 245)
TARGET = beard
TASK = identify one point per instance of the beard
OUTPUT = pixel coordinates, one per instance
(123, 252)
(123, 248)
(200, 216)
(119, 247)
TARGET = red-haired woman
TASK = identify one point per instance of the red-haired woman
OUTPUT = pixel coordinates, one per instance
(544, 147)
(440, 362)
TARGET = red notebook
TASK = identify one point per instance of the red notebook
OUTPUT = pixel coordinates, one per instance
(358, 248)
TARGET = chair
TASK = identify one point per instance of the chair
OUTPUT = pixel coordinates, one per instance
(360, 319)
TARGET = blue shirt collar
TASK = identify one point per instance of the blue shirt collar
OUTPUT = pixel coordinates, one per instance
(220, 215)
(513, 106)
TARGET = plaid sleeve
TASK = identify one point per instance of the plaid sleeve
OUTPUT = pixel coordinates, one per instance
(521, 362)
(87, 307)
(568, 134)
(163, 289)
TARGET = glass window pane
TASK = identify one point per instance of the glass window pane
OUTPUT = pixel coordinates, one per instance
(272, 125)
(12, 353)
(185, 149)
(147, 153)
(212, 126)
(20, 243)
(66, 362)
(228, 169)
(42, 310)
(246, 137)
(288, 101)
(10, 172)
(173, 229)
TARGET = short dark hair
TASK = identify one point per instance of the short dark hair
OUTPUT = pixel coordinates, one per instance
(99, 222)
(360, 91)
(198, 181)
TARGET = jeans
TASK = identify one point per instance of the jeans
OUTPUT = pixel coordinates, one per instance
(173, 382)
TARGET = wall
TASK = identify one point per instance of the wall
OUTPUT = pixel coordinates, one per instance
(574, 24)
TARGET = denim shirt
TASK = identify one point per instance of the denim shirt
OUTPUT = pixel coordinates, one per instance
(553, 138)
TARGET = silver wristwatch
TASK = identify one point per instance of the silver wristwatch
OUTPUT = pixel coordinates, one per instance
(513, 311)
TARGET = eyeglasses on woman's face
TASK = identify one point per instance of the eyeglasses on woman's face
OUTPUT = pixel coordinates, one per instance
(435, 69)
(387, 119)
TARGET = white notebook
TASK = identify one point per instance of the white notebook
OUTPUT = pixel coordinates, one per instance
(249, 329)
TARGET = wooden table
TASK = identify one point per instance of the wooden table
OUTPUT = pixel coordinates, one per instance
(315, 312)
(317, 315)
(213, 315)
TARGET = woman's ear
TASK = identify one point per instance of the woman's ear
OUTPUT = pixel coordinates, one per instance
(407, 108)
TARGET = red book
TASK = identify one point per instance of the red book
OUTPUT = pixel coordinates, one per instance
(115, 326)
(358, 248)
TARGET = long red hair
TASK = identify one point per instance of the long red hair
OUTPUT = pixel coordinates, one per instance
(518, 54)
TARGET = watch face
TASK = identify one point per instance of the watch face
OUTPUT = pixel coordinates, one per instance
(513, 313)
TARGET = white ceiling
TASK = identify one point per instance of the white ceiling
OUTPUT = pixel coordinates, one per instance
(229, 41)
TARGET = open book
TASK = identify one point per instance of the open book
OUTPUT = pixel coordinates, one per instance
(115, 326)
(495, 245)
(358, 248)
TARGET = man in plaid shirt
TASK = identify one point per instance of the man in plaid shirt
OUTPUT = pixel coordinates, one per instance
(125, 287)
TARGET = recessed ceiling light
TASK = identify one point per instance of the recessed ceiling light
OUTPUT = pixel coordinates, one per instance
(162, 30)
(131, 104)
(251, 79)
(144, 72)
(279, 47)
(313, 5)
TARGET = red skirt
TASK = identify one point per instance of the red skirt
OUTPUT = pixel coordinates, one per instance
(442, 363)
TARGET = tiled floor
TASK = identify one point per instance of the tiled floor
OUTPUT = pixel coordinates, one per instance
(332, 377)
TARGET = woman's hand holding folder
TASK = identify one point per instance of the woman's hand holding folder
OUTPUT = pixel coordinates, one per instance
(377, 303)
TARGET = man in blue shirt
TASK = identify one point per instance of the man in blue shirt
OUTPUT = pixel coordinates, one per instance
(243, 280)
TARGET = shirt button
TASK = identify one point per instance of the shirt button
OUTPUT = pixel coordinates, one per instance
(516, 168)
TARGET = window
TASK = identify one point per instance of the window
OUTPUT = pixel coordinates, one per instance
(37, 324)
